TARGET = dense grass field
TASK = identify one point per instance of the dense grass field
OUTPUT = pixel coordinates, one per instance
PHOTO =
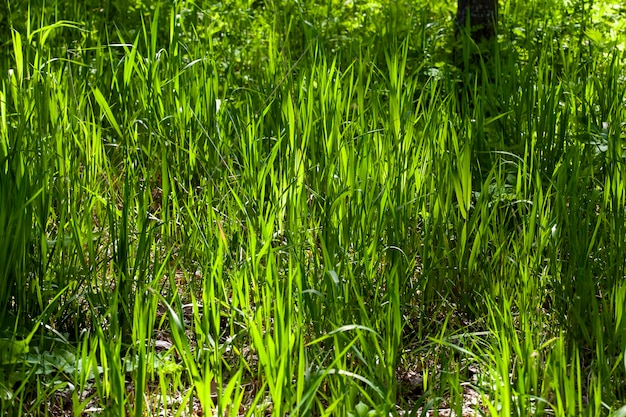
(324, 208)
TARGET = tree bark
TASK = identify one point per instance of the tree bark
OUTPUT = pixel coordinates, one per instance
(478, 18)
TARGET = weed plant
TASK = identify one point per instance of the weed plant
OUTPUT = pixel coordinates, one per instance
(311, 208)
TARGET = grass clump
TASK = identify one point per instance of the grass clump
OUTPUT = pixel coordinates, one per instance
(254, 208)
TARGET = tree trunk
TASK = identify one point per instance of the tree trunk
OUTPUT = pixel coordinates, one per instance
(478, 17)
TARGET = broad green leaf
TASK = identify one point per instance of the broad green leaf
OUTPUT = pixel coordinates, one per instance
(13, 351)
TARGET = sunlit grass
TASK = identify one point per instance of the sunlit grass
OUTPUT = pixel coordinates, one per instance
(297, 209)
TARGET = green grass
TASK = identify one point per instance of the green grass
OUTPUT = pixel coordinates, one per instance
(296, 208)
